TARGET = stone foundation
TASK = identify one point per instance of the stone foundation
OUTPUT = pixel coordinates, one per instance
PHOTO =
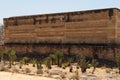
(107, 52)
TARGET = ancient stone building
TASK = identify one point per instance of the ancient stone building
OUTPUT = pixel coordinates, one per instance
(92, 33)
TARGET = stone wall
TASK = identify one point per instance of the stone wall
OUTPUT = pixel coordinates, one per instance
(118, 26)
(91, 33)
(94, 26)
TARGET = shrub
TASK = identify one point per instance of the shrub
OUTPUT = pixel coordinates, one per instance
(25, 59)
(39, 66)
(33, 62)
(52, 58)
(118, 62)
(83, 64)
(94, 64)
(21, 64)
(48, 63)
(11, 56)
(58, 57)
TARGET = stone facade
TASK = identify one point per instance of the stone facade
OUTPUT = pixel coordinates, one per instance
(92, 32)
(94, 26)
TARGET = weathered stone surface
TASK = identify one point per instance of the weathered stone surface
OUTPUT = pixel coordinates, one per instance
(106, 52)
(93, 26)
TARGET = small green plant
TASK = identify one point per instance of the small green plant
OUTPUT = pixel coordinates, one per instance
(25, 59)
(83, 64)
(39, 66)
(58, 58)
(94, 63)
(11, 56)
(48, 63)
(52, 58)
(21, 64)
(118, 62)
(33, 62)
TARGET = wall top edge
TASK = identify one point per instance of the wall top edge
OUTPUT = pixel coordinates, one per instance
(83, 11)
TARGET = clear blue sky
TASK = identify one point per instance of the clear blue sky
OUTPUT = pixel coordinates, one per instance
(10, 8)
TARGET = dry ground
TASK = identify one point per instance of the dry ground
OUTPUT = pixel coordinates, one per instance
(57, 73)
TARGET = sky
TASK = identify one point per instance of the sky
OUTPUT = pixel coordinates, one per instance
(10, 8)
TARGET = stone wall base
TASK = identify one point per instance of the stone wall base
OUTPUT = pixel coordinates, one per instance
(107, 52)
